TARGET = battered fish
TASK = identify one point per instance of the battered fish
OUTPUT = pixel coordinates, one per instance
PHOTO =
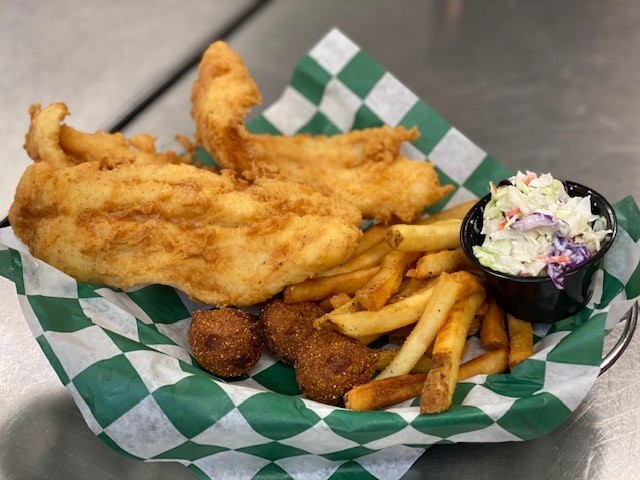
(364, 167)
(48, 139)
(220, 239)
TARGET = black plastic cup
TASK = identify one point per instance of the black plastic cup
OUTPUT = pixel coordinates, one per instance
(537, 299)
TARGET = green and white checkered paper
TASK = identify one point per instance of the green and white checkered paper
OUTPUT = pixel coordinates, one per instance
(124, 356)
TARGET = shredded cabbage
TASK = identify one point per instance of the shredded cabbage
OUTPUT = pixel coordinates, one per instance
(533, 227)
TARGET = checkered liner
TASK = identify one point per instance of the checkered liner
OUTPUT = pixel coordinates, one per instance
(124, 356)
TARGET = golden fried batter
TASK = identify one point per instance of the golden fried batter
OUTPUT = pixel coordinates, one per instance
(330, 364)
(222, 95)
(364, 167)
(125, 221)
(286, 326)
(62, 146)
(226, 342)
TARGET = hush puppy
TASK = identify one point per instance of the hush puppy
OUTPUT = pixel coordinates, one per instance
(226, 342)
(286, 326)
(330, 364)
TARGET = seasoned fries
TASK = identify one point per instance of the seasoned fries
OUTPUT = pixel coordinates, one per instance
(366, 259)
(447, 291)
(425, 238)
(382, 393)
(339, 299)
(388, 318)
(377, 291)
(495, 361)
(408, 287)
(440, 384)
(370, 237)
(322, 287)
(386, 355)
(520, 341)
(412, 286)
(493, 335)
(433, 264)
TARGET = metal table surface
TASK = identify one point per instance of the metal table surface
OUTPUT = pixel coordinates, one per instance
(541, 85)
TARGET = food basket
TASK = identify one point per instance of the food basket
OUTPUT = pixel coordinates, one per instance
(124, 357)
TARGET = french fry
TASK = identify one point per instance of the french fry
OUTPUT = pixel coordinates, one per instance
(339, 299)
(424, 238)
(329, 304)
(408, 287)
(388, 318)
(322, 287)
(482, 309)
(351, 306)
(377, 291)
(474, 326)
(367, 259)
(325, 305)
(440, 384)
(457, 212)
(520, 340)
(367, 339)
(370, 237)
(359, 324)
(470, 283)
(386, 356)
(434, 263)
(493, 334)
(446, 292)
(382, 393)
(495, 361)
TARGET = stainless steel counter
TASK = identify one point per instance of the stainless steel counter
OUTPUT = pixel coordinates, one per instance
(541, 85)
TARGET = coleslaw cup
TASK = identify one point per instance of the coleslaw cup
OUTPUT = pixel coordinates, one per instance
(537, 299)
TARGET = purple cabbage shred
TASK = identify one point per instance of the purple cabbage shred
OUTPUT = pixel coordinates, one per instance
(578, 254)
(533, 220)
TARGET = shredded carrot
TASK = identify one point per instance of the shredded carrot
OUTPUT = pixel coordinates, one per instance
(513, 212)
(530, 176)
(555, 259)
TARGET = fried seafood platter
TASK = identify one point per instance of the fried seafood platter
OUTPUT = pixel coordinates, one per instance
(364, 167)
(136, 217)
(278, 225)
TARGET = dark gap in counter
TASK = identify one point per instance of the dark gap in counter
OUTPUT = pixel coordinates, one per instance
(190, 62)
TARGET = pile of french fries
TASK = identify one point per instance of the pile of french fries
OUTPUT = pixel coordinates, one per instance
(413, 284)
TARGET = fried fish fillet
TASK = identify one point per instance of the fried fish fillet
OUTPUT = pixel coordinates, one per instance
(359, 166)
(364, 167)
(220, 239)
(63, 146)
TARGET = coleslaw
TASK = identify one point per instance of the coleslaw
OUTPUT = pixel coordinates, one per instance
(533, 227)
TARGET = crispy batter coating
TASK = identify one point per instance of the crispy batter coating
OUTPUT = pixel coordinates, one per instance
(225, 88)
(364, 167)
(126, 221)
(48, 140)
(286, 326)
(226, 342)
(330, 364)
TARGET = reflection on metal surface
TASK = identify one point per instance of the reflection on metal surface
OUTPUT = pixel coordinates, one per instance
(548, 86)
(47, 438)
(630, 321)
(190, 62)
